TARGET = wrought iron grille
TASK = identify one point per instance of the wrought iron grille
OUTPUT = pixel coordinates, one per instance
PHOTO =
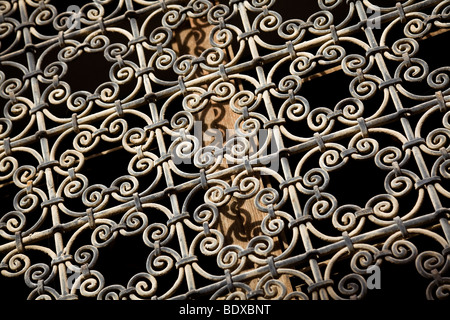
(297, 149)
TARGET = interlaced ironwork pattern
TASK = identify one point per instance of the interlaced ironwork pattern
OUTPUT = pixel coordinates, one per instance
(335, 159)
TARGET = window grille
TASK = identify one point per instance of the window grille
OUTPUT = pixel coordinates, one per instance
(238, 149)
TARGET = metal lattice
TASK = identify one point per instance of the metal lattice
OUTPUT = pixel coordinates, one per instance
(296, 147)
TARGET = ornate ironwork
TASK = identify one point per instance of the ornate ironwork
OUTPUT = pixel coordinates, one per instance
(336, 159)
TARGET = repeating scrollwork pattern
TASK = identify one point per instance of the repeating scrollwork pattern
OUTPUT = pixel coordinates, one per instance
(236, 150)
